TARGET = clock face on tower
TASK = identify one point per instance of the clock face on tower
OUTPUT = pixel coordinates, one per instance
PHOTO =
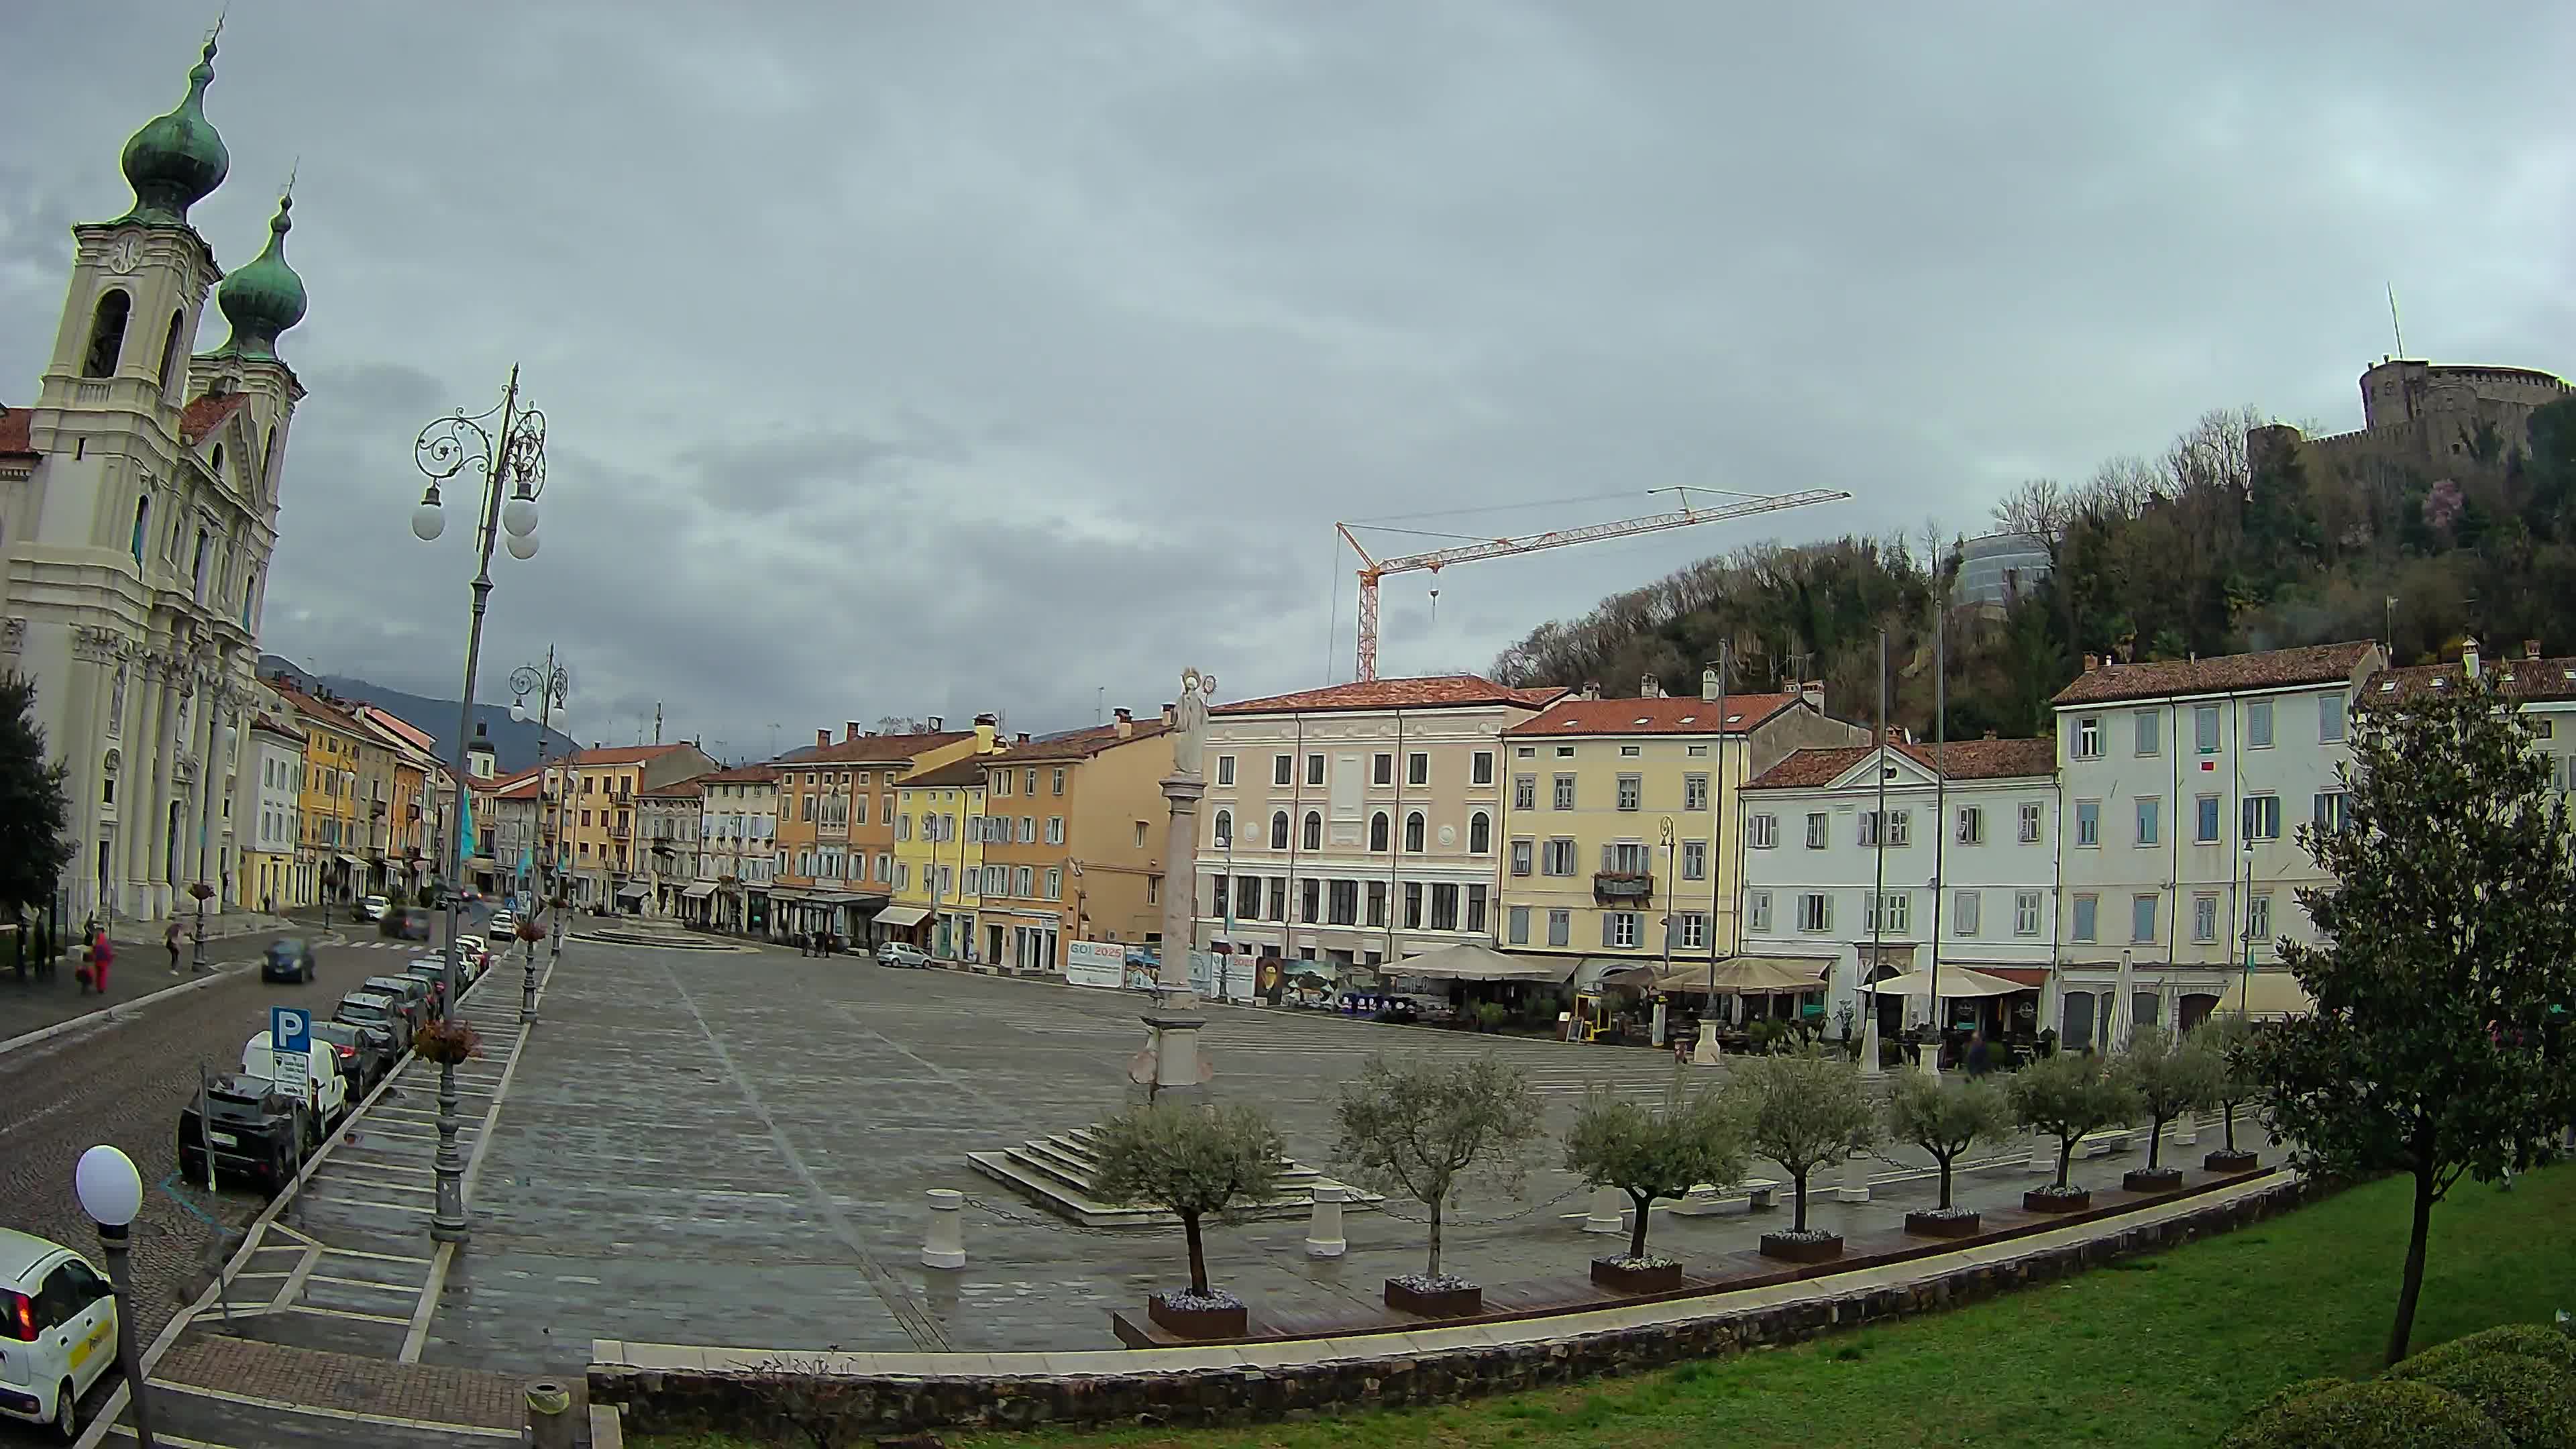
(126, 255)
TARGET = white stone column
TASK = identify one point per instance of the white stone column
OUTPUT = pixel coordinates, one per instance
(1324, 1222)
(1175, 1027)
(944, 1244)
(143, 806)
(1855, 1175)
(1609, 1211)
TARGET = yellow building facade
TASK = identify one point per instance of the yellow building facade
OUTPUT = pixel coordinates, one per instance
(331, 835)
(1621, 821)
(938, 857)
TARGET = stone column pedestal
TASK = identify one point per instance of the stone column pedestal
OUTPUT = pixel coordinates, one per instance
(1324, 1224)
(943, 1245)
(1609, 1212)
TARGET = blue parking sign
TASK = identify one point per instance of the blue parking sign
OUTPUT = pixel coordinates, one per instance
(290, 1029)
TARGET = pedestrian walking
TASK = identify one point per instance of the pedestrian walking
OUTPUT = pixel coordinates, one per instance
(101, 956)
(170, 940)
(1980, 1055)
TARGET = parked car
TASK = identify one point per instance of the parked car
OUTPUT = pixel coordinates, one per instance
(412, 992)
(433, 974)
(473, 958)
(57, 1331)
(288, 960)
(405, 923)
(389, 1014)
(324, 1089)
(366, 1053)
(500, 929)
(374, 907)
(896, 953)
(254, 1131)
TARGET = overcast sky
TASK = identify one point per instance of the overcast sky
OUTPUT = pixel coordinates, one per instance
(927, 358)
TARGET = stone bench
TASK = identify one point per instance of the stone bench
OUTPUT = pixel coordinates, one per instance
(2108, 1141)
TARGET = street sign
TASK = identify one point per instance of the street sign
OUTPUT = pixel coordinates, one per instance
(290, 1041)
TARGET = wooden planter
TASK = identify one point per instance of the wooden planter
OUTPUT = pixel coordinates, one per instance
(1934, 1225)
(1799, 1250)
(1198, 1322)
(1609, 1273)
(2151, 1179)
(2049, 1202)
(2225, 1161)
(1434, 1302)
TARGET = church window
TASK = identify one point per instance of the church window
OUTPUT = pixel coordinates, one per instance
(107, 334)
(219, 462)
(170, 350)
(142, 516)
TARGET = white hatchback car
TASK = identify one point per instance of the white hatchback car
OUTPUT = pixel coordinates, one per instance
(57, 1330)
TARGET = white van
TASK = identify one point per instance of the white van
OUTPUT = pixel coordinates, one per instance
(327, 1092)
(57, 1331)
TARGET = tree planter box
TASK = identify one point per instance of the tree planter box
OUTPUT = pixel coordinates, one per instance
(2036, 1201)
(2151, 1179)
(1616, 1276)
(1801, 1250)
(1434, 1302)
(1194, 1322)
(1935, 1225)
(2225, 1161)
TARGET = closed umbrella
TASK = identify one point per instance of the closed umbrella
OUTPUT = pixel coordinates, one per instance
(2124, 1012)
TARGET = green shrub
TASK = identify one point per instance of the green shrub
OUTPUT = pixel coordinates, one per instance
(2381, 1414)
(2533, 1401)
(2528, 1339)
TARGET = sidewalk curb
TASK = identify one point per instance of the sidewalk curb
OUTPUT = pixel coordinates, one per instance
(120, 1013)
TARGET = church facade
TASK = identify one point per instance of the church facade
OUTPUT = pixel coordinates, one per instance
(138, 513)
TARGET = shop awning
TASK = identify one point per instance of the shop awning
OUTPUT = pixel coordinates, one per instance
(635, 892)
(700, 891)
(786, 893)
(1468, 961)
(2274, 994)
(1736, 976)
(352, 861)
(903, 915)
(1956, 981)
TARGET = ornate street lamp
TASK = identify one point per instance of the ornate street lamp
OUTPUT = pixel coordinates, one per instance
(552, 686)
(510, 454)
(111, 1192)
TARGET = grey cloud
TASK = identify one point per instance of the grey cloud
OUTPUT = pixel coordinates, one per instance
(909, 360)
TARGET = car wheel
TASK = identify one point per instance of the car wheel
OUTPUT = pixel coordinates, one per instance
(66, 1420)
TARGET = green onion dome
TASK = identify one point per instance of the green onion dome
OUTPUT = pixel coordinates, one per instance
(177, 160)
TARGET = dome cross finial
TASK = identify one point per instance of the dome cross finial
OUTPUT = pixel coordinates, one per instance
(177, 159)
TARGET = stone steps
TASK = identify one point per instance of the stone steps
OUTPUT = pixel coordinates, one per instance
(1060, 1171)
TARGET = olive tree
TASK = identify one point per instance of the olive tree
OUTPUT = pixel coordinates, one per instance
(1652, 1152)
(1191, 1161)
(2445, 938)
(1946, 1120)
(1429, 1128)
(2230, 1039)
(2066, 1096)
(2167, 1075)
(1806, 1111)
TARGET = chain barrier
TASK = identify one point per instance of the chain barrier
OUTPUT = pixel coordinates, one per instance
(1449, 1222)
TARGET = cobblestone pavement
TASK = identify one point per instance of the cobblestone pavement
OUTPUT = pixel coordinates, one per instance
(124, 1083)
(31, 1003)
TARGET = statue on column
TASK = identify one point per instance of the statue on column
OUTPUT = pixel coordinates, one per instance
(1189, 721)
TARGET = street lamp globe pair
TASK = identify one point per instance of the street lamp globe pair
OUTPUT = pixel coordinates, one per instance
(518, 520)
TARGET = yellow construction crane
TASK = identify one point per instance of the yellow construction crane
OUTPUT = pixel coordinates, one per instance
(1373, 569)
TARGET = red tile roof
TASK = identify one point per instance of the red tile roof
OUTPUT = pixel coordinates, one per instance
(873, 749)
(329, 713)
(274, 726)
(1661, 716)
(966, 773)
(1959, 760)
(1440, 691)
(2546, 679)
(523, 785)
(14, 427)
(623, 754)
(1076, 745)
(741, 775)
(208, 413)
(2271, 669)
(691, 788)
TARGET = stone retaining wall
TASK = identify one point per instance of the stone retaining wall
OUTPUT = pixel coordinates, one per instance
(681, 1401)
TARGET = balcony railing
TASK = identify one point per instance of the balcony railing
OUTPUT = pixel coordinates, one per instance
(621, 832)
(1626, 886)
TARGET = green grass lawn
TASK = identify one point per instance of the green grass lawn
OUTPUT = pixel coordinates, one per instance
(2160, 1352)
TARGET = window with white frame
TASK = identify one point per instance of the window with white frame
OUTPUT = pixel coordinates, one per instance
(2258, 725)
(1632, 792)
(1480, 833)
(2262, 817)
(2330, 810)
(2150, 819)
(1564, 797)
(1417, 768)
(1694, 930)
(2330, 721)
(2088, 737)
(1629, 857)
(1893, 912)
(1559, 857)
(1694, 860)
(1523, 852)
(2204, 728)
(2088, 822)
(1283, 769)
(1757, 911)
(1560, 927)
(2142, 918)
(1382, 768)
(1819, 830)
(1480, 768)
(2032, 822)
(1516, 926)
(1619, 929)
(1055, 830)
(1815, 911)
(1966, 909)
(2086, 926)
(2026, 913)
(2258, 918)
(1694, 792)
(1762, 832)
(1525, 792)
(2204, 917)
(2150, 733)
(1225, 769)
(1055, 883)
(1314, 769)
(1972, 825)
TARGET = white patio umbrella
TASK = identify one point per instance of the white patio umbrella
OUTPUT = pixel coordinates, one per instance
(2124, 1012)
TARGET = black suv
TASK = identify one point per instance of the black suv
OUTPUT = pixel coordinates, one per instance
(367, 1053)
(256, 1131)
(287, 960)
(405, 923)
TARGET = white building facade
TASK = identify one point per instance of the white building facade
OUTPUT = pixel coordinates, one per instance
(1341, 822)
(2184, 783)
(138, 503)
(737, 849)
(1961, 868)
(270, 812)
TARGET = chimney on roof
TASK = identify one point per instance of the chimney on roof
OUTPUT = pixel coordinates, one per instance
(1591, 689)
(1126, 722)
(2469, 657)
(1022, 738)
(1990, 734)
(2092, 662)
(822, 738)
(1649, 687)
(1708, 685)
(2530, 648)
(1813, 692)
(1170, 712)
(988, 719)
(937, 725)
(849, 730)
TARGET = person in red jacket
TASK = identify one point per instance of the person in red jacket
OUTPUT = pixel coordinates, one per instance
(101, 956)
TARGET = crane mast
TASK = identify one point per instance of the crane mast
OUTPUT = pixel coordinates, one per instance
(1373, 569)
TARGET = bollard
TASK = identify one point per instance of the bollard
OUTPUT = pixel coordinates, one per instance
(944, 1246)
(2043, 1156)
(1324, 1224)
(549, 1415)
(1609, 1212)
(1855, 1186)
(2186, 1131)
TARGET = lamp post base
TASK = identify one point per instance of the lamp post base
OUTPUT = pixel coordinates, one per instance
(448, 1223)
(114, 1243)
